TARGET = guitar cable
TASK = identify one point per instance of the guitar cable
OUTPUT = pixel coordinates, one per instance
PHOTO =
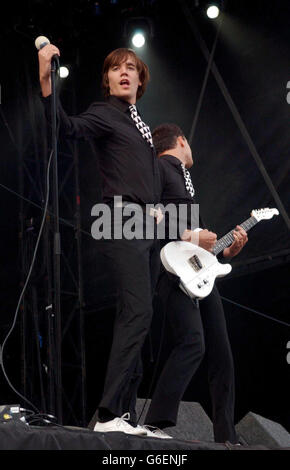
(268, 317)
(196, 305)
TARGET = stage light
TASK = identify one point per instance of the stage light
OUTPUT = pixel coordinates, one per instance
(63, 72)
(212, 12)
(138, 30)
(97, 9)
(138, 39)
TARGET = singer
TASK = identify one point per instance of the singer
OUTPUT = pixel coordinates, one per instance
(129, 169)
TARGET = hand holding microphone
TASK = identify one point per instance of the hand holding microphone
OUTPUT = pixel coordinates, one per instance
(46, 54)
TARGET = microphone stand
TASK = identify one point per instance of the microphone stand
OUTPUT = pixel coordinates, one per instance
(56, 246)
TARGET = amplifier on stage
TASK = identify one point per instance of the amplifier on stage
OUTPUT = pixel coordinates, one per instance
(10, 412)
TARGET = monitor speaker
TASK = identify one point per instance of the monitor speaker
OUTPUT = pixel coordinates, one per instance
(193, 423)
(256, 430)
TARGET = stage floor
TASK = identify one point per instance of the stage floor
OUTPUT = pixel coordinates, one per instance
(16, 435)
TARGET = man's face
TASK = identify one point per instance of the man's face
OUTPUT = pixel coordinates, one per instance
(188, 154)
(124, 80)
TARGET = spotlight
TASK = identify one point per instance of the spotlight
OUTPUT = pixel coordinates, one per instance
(138, 40)
(138, 30)
(213, 11)
(63, 72)
(97, 7)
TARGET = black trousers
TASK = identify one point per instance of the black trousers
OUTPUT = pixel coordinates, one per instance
(136, 269)
(195, 331)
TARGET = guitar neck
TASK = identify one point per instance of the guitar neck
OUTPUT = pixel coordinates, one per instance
(228, 239)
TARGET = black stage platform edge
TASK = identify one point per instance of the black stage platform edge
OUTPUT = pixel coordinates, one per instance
(16, 435)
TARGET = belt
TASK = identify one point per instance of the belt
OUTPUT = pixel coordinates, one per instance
(150, 210)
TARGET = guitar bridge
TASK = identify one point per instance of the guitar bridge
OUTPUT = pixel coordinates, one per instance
(195, 263)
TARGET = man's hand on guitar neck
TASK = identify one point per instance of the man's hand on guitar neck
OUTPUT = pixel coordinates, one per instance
(202, 238)
(207, 240)
(241, 238)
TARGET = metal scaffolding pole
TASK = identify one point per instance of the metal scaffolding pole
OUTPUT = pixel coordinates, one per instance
(39, 375)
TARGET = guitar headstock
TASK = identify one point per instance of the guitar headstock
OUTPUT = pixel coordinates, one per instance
(264, 214)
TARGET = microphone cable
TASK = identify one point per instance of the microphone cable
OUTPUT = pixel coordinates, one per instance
(2, 347)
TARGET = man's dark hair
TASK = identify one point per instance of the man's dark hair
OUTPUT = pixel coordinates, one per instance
(117, 57)
(165, 137)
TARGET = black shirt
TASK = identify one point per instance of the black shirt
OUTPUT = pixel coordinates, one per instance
(173, 188)
(173, 191)
(128, 163)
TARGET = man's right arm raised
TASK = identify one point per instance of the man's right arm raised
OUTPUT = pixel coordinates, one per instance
(95, 122)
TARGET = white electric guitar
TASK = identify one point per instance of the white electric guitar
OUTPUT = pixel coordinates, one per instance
(198, 268)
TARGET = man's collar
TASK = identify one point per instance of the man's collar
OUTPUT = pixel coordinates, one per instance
(170, 158)
(122, 105)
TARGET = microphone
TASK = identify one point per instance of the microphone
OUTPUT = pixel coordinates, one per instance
(42, 41)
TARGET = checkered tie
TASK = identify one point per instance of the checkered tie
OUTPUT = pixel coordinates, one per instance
(141, 126)
(187, 180)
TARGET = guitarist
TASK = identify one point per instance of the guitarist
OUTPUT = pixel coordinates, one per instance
(196, 329)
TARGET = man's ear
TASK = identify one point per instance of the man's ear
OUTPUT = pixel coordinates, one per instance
(181, 141)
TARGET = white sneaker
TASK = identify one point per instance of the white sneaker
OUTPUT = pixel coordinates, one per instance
(119, 425)
(152, 431)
